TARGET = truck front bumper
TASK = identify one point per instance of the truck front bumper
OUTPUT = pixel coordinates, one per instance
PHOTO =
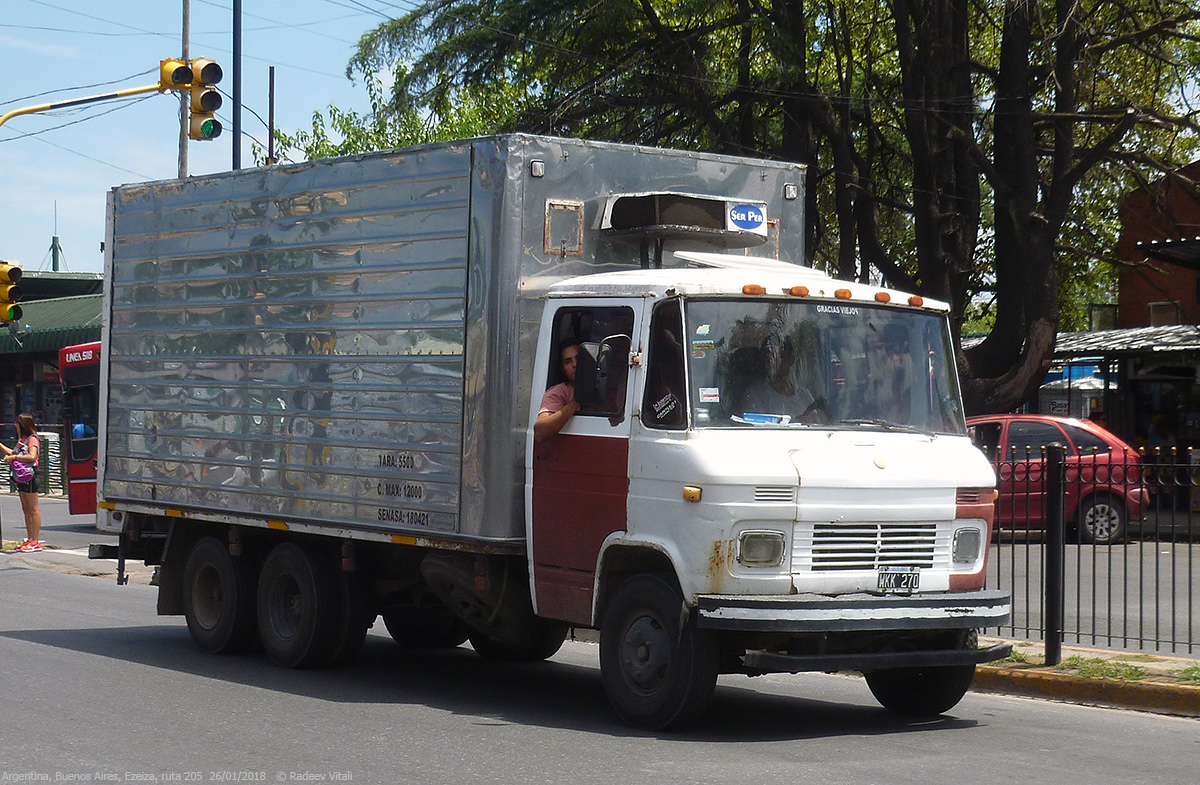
(802, 613)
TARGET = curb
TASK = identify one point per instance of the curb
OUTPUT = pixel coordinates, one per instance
(1180, 700)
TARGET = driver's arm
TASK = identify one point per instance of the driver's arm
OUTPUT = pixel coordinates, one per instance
(548, 424)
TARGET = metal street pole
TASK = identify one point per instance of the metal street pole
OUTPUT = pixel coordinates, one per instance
(4, 118)
(237, 84)
(185, 96)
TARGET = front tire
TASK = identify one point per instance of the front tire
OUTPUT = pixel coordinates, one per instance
(218, 598)
(659, 670)
(1102, 520)
(297, 607)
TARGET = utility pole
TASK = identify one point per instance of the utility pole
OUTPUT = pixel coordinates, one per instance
(271, 117)
(237, 84)
(184, 96)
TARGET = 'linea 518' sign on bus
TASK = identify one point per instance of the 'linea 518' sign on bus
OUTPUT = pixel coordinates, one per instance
(83, 356)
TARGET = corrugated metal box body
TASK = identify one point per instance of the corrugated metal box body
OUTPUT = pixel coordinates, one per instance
(350, 342)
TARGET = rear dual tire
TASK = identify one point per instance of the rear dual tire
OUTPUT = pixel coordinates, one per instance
(309, 614)
(218, 598)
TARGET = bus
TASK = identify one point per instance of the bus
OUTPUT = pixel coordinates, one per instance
(79, 372)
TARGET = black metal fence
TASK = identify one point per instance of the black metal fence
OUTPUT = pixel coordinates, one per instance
(1099, 549)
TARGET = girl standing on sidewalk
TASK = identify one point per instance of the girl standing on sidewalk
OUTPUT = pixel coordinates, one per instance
(26, 453)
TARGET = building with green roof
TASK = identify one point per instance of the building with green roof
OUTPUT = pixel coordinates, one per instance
(59, 309)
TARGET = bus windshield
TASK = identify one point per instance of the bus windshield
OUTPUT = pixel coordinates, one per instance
(756, 363)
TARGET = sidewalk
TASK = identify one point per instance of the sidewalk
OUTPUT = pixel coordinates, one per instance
(1158, 683)
(1161, 684)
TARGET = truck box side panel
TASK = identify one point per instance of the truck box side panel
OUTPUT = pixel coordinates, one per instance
(539, 229)
(289, 342)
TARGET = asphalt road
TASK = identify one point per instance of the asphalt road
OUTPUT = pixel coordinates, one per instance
(98, 686)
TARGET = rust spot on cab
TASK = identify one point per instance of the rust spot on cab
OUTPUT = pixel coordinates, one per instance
(718, 561)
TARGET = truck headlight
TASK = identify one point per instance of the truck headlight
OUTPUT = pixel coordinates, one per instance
(967, 545)
(760, 548)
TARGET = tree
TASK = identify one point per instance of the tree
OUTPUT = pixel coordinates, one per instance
(952, 144)
(461, 115)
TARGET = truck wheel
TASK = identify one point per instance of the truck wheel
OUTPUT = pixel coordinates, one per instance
(425, 627)
(354, 618)
(542, 643)
(924, 692)
(218, 598)
(659, 670)
(1101, 520)
(920, 692)
(297, 607)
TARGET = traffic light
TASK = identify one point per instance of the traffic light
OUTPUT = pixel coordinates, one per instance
(205, 99)
(10, 293)
(173, 75)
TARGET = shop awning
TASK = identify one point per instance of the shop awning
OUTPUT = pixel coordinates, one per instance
(49, 325)
(1129, 341)
(1185, 253)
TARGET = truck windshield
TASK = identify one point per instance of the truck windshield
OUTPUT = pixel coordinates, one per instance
(790, 364)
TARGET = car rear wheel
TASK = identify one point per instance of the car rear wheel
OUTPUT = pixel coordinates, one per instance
(1102, 520)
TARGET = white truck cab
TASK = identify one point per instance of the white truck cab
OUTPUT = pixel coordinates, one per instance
(786, 453)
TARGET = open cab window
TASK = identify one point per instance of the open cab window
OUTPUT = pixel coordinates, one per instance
(597, 325)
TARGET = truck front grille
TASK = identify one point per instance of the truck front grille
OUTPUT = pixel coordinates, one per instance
(829, 547)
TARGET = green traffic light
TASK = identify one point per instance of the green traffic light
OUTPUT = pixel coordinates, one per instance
(210, 129)
(10, 313)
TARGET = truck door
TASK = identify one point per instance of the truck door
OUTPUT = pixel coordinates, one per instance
(579, 477)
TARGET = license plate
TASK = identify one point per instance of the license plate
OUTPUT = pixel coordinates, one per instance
(899, 579)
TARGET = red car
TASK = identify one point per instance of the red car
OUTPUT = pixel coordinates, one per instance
(1104, 490)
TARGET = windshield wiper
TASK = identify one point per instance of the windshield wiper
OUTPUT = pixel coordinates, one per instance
(887, 425)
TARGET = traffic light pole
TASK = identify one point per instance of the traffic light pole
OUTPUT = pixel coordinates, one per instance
(4, 118)
(184, 98)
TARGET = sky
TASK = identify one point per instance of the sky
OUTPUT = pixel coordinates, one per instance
(57, 167)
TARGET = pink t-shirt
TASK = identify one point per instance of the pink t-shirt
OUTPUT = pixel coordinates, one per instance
(28, 445)
(557, 397)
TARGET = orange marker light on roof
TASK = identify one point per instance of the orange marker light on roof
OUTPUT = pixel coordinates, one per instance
(753, 288)
(799, 291)
(917, 300)
(882, 297)
(842, 294)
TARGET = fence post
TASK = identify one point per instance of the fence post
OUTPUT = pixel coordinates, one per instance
(1056, 544)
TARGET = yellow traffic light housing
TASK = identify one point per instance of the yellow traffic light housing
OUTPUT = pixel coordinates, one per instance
(10, 292)
(173, 75)
(205, 99)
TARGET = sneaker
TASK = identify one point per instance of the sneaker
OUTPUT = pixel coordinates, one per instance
(29, 546)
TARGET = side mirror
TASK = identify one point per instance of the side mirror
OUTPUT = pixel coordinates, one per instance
(592, 370)
(597, 368)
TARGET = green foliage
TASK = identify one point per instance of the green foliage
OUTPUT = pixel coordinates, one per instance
(1100, 668)
(463, 114)
(1015, 657)
(1190, 674)
(980, 163)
